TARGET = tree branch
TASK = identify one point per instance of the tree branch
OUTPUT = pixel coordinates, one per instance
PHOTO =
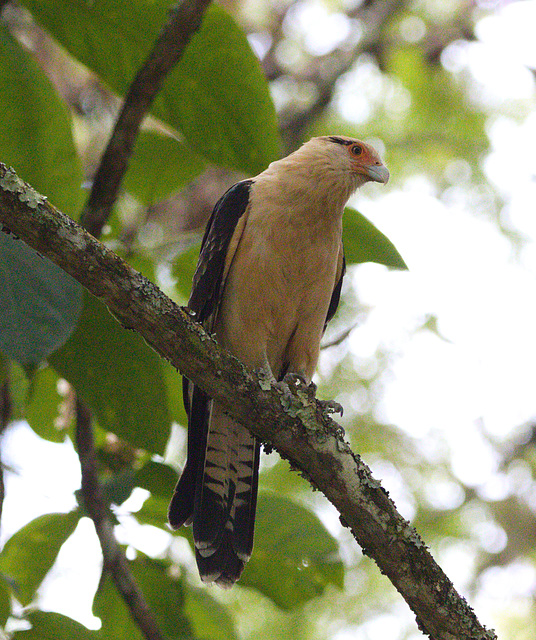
(113, 556)
(184, 20)
(286, 417)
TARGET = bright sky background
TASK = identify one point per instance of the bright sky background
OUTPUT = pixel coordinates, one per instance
(462, 270)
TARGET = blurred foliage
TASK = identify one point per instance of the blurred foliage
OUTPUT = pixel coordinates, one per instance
(63, 66)
(29, 554)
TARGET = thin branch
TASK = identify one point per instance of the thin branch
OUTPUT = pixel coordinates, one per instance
(114, 558)
(184, 20)
(284, 416)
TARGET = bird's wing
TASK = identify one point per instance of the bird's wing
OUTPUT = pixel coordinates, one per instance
(218, 247)
(222, 235)
(336, 295)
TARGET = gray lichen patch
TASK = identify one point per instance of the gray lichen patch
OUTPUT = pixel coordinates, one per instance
(11, 182)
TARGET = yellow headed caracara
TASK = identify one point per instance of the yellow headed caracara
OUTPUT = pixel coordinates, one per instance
(268, 280)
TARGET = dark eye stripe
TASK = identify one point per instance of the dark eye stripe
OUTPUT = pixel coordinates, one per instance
(340, 141)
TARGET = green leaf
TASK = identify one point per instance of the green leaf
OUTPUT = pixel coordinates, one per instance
(173, 381)
(184, 268)
(118, 487)
(43, 406)
(164, 596)
(209, 619)
(30, 553)
(363, 242)
(158, 478)
(154, 512)
(109, 606)
(118, 376)
(5, 601)
(216, 96)
(160, 166)
(219, 98)
(39, 303)
(55, 626)
(294, 558)
(35, 128)
(19, 388)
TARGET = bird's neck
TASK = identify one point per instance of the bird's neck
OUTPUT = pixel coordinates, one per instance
(316, 189)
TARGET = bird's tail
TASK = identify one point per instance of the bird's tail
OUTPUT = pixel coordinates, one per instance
(218, 493)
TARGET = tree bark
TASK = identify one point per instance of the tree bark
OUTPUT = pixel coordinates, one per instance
(289, 418)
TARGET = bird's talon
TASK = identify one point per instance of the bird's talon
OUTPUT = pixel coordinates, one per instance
(295, 379)
(330, 406)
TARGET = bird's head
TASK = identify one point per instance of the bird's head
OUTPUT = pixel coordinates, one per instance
(355, 157)
(329, 168)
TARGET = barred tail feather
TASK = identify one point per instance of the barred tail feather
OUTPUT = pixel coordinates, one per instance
(198, 406)
(224, 509)
(223, 566)
(245, 500)
(217, 491)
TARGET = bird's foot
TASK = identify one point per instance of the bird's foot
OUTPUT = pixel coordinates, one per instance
(294, 380)
(330, 406)
(297, 381)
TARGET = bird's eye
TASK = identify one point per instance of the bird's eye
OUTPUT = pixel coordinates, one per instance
(356, 150)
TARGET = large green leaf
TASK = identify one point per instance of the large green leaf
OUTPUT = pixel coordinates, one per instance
(160, 165)
(294, 558)
(155, 512)
(184, 268)
(35, 128)
(174, 389)
(5, 601)
(363, 242)
(55, 626)
(30, 553)
(217, 96)
(210, 620)
(39, 303)
(158, 478)
(109, 606)
(118, 376)
(164, 596)
(42, 407)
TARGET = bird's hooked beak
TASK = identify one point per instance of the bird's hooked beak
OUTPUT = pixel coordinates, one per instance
(377, 172)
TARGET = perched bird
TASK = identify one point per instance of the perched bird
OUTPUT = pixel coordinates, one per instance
(268, 280)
